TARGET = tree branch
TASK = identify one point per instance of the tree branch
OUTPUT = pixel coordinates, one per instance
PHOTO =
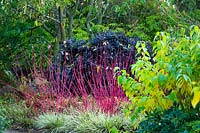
(45, 16)
(46, 28)
(73, 11)
(88, 17)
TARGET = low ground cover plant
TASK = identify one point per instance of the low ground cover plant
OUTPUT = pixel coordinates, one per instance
(16, 115)
(171, 120)
(4, 123)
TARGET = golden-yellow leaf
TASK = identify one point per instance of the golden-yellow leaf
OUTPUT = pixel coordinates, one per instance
(196, 97)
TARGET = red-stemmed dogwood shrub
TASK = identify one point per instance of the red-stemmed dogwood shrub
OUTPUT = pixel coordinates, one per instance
(84, 78)
(53, 88)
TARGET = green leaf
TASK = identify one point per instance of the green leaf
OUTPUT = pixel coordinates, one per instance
(123, 72)
(180, 82)
(120, 80)
(144, 98)
(186, 78)
(133, 67)
(113, 130)
(67, 0)
(139, 109)
(162, 79)
(37, 23)
(172, 96)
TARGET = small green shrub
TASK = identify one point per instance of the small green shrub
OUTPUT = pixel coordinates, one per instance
(172, 120)
(82, 122)
(4, 123)
(193, 126)
(19, 115)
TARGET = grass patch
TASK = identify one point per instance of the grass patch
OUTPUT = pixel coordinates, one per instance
(82, 122)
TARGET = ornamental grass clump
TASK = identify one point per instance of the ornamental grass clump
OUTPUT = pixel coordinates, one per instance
(100, 122)
(54, 123)
(82, 122)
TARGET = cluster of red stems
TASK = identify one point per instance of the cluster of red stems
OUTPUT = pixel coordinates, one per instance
(52, 89)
